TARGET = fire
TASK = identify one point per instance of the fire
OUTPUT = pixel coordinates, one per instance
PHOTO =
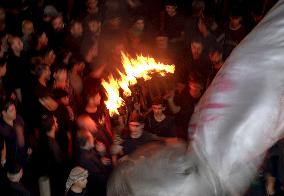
(140, 67)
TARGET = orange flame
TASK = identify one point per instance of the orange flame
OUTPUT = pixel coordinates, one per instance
(140, 67)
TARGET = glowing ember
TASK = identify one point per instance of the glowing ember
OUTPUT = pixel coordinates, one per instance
(141, 67)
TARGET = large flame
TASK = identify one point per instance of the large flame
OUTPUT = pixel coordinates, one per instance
(140, 67)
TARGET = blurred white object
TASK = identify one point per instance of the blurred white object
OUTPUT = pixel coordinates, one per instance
(239, 117)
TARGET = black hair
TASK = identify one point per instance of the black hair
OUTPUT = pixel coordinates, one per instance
(13, 167)
(158, 101)
(3, 61)
(82, 137)
(170, 2)
(39, 69)
(58, 93)
(75, 59)
(6, 104)
(136, 118)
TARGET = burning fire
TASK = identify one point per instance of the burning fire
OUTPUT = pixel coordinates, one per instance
(140, 67)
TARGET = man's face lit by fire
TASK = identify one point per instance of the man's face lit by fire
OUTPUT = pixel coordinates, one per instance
(95, 100)
(136, 129)
(11, 112)
(43, 40)
(195, 89)
(77, 29)
(158, 109)
(171, 10)
(162, 42)
(139, 25)
(196, 50)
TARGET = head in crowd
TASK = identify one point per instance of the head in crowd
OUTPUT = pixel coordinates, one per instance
(8, 111)
(27, 27)
(40, 40)
(92, 93)
(85, 139)
(171, 7)
(195, 85)
(60, 77)
(76, 64)
(235, 18)
(14, 172)
(85, 122)
(197, 47)
(138, 24)
(136, 126)
(48, 124)
(158, 106)
(93, 25)
(77, 180)
(92, 6)
(76, 28)
(49, 56)
(2, 14)
(16, 45)
(114, 21)
(198, 7)
(89, 50)
(215, 56)
(42, 72)
(49, 13)
(58, 23)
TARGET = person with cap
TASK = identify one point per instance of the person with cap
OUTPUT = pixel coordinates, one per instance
(14, 175)
(77, 182)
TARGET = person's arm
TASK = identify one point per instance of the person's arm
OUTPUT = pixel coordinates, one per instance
(270, 184)
(48, 103)
(3, 154)
(170, 99)
(18, 94)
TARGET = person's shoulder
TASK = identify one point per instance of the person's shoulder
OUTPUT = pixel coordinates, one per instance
(19, 189)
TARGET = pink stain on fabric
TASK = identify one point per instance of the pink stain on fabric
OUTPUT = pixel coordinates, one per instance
(225, 84)
(215, 106)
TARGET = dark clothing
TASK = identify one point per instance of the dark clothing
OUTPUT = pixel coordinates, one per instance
(165, 128)
(17, 189)
(187, 104)
(72, 44)
(64, 126)
(173, 26)
(276, 164)
(16, 67)
(71, 193)
(232, 39)
(40, 92)
(10, 136)
(52, 165)
(131, 144)
(187, 65)
(90, 160)
(2, 91)
(98, 173)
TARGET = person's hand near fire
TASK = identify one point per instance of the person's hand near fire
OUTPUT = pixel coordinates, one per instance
(169, 96)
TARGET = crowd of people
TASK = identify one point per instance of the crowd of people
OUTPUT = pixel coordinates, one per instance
(56, 134)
